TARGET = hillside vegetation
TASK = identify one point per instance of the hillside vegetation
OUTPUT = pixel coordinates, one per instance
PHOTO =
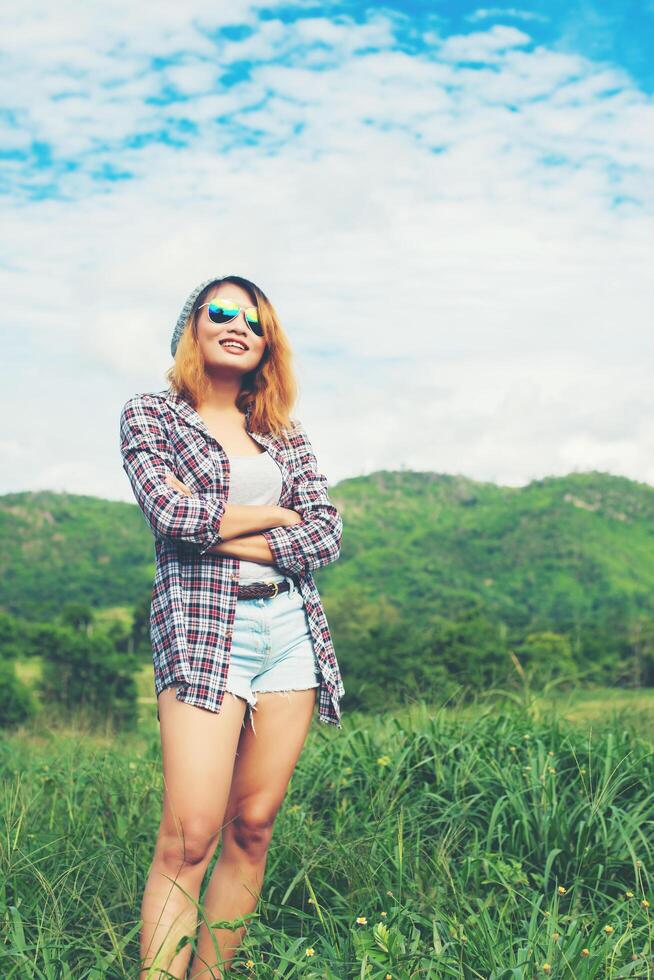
(442, 582)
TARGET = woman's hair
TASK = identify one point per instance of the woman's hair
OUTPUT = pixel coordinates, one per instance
(271, 388)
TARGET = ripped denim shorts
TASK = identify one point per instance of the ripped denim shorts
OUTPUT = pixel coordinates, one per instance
(272, 648)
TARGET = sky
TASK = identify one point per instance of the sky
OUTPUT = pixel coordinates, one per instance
(450, 206)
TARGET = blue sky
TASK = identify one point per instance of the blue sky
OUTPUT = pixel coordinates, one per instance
(450, 205)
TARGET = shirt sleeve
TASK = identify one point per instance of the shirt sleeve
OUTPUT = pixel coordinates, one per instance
(147, 457)
(316, 541)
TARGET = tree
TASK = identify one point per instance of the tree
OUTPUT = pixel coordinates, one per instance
(545, 656)
(87, 674)
(16, 704)
(77, 615)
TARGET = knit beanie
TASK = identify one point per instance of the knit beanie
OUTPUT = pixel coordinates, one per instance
(186, 309)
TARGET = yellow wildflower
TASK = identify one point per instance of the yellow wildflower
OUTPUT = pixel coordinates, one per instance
(608, 930)
(629, 894)
(309, 951)
(249, 964)
(384, 914)
(383, 760)
(645, 903)
(361, 919)
(585, 951)
(562, 890)
(547, 968)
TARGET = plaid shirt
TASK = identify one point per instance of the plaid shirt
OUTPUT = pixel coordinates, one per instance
(194, 592)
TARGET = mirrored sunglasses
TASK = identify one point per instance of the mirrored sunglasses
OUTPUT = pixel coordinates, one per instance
(223, 310)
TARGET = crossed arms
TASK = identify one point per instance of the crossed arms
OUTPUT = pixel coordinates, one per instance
(297, 540)
(247, 545)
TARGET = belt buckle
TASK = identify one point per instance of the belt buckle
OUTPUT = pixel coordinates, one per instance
(276, 588)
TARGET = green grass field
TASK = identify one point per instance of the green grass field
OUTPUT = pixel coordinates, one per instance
(507, 839)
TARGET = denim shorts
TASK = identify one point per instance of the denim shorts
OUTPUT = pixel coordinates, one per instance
(272, 648)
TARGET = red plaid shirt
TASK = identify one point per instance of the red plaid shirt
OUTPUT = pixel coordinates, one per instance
(194, 592)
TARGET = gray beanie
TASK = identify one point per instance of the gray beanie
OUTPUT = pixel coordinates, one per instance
(186, 309)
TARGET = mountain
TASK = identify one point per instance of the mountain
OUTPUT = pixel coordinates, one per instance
(552, 548)
(62, 547)
(434, 568)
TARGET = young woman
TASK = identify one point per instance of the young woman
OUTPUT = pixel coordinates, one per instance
(230, 487)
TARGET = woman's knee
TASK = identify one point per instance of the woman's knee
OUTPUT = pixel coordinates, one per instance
(191, 841)
(251, 828)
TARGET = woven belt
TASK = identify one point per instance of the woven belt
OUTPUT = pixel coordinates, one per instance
(262, 590)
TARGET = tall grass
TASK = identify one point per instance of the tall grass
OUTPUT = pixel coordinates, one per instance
(429, 843)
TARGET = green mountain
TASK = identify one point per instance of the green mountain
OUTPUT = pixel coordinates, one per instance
(533, 556)
(62, 547)
(440, 576)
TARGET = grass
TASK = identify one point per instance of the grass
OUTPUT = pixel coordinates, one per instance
(502, 840)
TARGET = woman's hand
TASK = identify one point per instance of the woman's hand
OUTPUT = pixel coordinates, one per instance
(284, 516)
(176, 484)
(287, 517)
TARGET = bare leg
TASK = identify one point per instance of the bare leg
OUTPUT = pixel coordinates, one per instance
(198, 752)
(264, 765)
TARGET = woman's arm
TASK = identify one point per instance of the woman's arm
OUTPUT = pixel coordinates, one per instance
(245, 519)
(316, 540)
(249, 547)
(147, 460)
(245, 545)
(147, 457)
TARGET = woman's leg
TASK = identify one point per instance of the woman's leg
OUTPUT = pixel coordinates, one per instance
(264, 764)
(198, 752)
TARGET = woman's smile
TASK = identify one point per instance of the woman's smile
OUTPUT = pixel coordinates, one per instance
(234, 347)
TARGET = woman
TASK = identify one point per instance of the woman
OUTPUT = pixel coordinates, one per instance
(230, 487)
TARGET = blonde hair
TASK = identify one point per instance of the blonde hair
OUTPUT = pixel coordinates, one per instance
(271, 388)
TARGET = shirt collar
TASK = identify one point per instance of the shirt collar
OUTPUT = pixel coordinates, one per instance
(191, 417)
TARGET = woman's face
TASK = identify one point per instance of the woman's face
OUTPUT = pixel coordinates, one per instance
(212, 336)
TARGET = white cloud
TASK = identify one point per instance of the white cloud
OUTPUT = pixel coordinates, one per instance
(486, 308)
(487, 46)
(485, 13)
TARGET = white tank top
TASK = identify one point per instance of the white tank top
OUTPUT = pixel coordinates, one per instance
(255, 480)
